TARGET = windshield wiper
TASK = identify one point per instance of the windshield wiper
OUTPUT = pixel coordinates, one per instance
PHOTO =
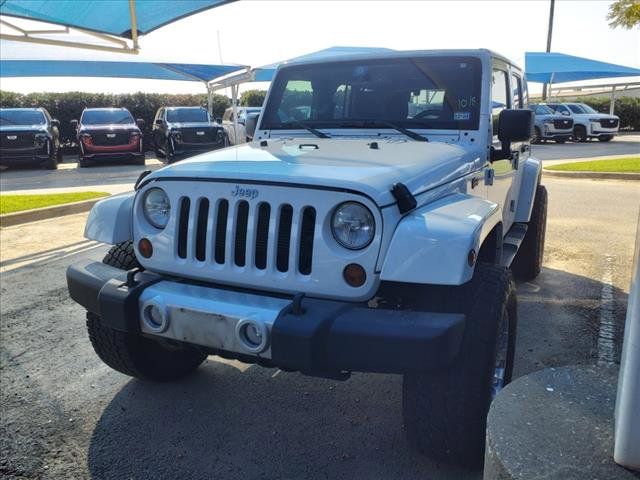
(415, 136)
(300, 124)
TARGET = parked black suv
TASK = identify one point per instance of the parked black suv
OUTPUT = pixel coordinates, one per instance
(184, 131)
(29, 136)
(108, 134)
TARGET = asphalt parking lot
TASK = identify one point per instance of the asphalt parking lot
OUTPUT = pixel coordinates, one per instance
(67, 415)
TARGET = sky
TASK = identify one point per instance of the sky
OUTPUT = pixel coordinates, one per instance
(260, 32)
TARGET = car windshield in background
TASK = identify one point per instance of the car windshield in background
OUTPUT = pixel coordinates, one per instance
(183, 115)
(417, 92)
(106, 117)
(581, 108)
(542, 110)
(21, 117)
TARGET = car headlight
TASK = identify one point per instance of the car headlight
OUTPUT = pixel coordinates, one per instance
(177, 135)
(41, 138)
(352, 225)
(156, 207)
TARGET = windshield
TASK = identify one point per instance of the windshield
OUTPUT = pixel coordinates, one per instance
(580, 108)
(21, 117)
(542, 110)
(419, 92)
(182, 115)
(106, 117)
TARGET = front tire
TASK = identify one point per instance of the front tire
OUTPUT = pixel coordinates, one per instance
(605, 138)
(528, 261)
(445, 411)
(132, 354)
(580, 134)
(536, 135)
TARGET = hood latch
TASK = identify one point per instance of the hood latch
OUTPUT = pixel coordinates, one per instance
(406, 200)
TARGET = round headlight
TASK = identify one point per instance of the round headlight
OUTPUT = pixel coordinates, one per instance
(352, 225)
(156, 207)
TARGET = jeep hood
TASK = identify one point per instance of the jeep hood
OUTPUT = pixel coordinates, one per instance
(336, 163)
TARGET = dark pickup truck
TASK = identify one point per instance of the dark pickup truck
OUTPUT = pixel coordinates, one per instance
(109, 134)
(29, 136)
(184, 131)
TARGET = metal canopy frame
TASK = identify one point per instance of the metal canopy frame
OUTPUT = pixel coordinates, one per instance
(118, 44)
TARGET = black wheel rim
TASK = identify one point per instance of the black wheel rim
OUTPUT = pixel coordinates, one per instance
(502, 352)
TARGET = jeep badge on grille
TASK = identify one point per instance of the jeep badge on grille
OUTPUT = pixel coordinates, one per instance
(249, 193)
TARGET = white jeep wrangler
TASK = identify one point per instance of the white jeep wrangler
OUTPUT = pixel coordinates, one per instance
(372, 225)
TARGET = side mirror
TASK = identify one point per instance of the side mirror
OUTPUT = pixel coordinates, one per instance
(514, 126)
(565, 113)
(250, 124)
(159, 121)
(55, 123)
(74, 124)
(141, 123)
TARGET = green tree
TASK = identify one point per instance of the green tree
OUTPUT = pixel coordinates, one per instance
(253, 98)
(624, 13)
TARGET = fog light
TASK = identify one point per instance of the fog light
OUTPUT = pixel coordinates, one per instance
(354, 275)
(253, 335)
(155, 316)
(145, 248)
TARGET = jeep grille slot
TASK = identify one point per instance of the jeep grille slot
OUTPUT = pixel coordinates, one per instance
(262, 235)
(201, 233)
(307, 231)
(183, 227)
(242, 218)
(284, 237)
(221, 230)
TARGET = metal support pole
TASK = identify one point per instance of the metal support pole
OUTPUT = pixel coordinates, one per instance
(234, 103)
(134, 23)
(549, 34)
(612, 103)
(209, 100)
(626, 449)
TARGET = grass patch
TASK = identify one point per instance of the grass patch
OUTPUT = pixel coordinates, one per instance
(623, 165)
(19, 203)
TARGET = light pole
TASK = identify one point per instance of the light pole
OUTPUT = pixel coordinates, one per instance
(549, 34)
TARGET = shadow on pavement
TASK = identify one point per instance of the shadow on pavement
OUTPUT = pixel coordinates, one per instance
(224, 422)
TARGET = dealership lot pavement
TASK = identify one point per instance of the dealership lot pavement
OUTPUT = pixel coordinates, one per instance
(117, 178)
(64, 414)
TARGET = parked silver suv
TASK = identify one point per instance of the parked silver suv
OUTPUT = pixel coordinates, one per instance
(549, 125)
(587, 122)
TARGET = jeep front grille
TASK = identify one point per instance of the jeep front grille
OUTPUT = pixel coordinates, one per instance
(252, 235)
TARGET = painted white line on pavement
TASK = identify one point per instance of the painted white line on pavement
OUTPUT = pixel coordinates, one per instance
(607, 330)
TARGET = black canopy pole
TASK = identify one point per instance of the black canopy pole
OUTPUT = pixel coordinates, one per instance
(549, 34)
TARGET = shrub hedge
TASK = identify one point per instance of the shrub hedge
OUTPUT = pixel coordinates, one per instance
(68, 106)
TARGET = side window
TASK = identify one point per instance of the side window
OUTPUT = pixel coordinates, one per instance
(297, 101)
(516, 91)
(499, 95)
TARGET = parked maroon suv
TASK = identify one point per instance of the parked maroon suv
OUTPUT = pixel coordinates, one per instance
(109, 134)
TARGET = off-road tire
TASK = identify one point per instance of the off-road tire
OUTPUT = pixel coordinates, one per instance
(122, 256)
(132, 354)
(528, 261)
(445, 411)
(580, 134)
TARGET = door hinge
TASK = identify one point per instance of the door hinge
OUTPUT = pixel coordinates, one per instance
(488, 176)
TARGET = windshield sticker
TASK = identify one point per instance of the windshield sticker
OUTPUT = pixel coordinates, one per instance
(461, 115)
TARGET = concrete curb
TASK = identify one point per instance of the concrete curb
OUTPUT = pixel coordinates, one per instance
(592, 175)
(17, 218)
(555, 423)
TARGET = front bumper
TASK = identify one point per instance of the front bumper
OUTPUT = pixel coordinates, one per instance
(113, 155)
(182, 149)
(310, 335)
(22, 156)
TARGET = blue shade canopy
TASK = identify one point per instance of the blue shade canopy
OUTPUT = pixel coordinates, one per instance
(545, 67)
(107, 16)
(82, 68)
(266, 73)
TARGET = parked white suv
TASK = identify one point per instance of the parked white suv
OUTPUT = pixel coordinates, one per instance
(239, 134)
(373, 225)
(587, 122)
